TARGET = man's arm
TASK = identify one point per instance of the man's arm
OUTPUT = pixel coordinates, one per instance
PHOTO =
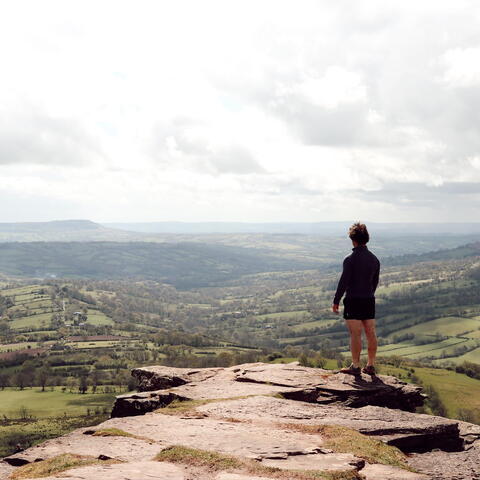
(343, 282)
(376, 277)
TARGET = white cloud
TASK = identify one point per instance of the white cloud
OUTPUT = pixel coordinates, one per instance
(335, 87)
(249, 111)
(462, 67)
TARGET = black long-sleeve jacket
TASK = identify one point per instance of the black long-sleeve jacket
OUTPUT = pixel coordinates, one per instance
(361, 270)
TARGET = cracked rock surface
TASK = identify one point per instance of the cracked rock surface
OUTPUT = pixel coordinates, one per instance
(255, 412)
(289, 380)
(410, 432)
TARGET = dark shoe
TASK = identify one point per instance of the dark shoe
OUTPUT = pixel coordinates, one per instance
(351, 370)
(369, 370)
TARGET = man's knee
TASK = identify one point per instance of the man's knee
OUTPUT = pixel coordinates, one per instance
(354, 327)
(370, 332)
(369, 327)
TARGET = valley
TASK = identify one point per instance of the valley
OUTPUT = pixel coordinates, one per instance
(69, 342)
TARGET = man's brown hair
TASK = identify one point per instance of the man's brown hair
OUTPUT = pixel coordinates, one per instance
(359, 233)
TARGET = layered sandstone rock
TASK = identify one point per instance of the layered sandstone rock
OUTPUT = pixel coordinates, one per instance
(270, 416)
(291, 381)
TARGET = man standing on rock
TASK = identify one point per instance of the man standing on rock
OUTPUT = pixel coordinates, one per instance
(359, 280)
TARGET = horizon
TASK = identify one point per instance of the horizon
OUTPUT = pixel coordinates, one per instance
(279, 222)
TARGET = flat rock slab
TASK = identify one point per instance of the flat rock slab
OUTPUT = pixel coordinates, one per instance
(337, 461)
(239, 476)
(124, 471)
(321, 386)
(408, 431)
(449, 466)
(5, 470)
(384, 472)
(140, 403)
(469, 432)
(241, 439)
(160, 377)
(290, 380)
(119, 448)
(245, 419)
(260, 442)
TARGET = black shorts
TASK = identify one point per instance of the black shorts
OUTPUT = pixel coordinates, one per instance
(358, 308)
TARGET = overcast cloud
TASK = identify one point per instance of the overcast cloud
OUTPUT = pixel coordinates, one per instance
(240, 111)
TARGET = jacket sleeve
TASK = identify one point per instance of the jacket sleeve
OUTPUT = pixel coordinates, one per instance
(376, 277)
(344, 281)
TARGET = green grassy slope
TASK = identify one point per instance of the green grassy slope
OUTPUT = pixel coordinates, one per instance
(456, 390)
(182, 264)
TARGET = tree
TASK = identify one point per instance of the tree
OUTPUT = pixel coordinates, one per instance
(43, 375)
(70, 383)
(83, 384)
(4, 380)
(96, 379)
(19, 380)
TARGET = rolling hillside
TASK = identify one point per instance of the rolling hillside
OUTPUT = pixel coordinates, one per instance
(184, 265)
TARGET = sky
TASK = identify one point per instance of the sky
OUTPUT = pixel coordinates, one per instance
(255, 111)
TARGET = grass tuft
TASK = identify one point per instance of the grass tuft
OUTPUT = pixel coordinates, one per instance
(346, 440)
(117, 432)
(182, 407)
(215, 461)
(54, 465)
(199, 458)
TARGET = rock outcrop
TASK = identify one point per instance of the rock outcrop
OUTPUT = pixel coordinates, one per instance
(270, 418)
(291, 381)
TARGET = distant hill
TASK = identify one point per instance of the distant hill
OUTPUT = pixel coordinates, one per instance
(58, 225)
(463, 251)
(62, 230)
(184, 265)
(316, 228)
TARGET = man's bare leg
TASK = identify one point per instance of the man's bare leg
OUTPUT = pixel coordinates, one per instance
(355, 329)
(369, 326)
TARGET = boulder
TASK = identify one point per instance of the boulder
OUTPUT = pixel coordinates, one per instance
(161, 377)
(140, 403)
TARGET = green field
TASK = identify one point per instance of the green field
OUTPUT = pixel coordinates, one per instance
(24, 290)
(96, 317)
(312, 324)
(435, 349)
(50, 403)
(455, 389)
(10, 347)
(217, 350)
(95, 344)
(445, 326)
(50, 414)
(472, 356)
(294, 315)
(34, 322)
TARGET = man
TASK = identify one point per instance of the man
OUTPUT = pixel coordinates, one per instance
(359, 280)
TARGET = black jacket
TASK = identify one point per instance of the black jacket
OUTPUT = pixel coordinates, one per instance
(361, 270)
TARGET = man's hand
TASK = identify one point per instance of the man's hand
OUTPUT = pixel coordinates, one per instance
(335, 308)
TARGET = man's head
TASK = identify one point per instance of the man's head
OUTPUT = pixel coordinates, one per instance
(358, 233)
